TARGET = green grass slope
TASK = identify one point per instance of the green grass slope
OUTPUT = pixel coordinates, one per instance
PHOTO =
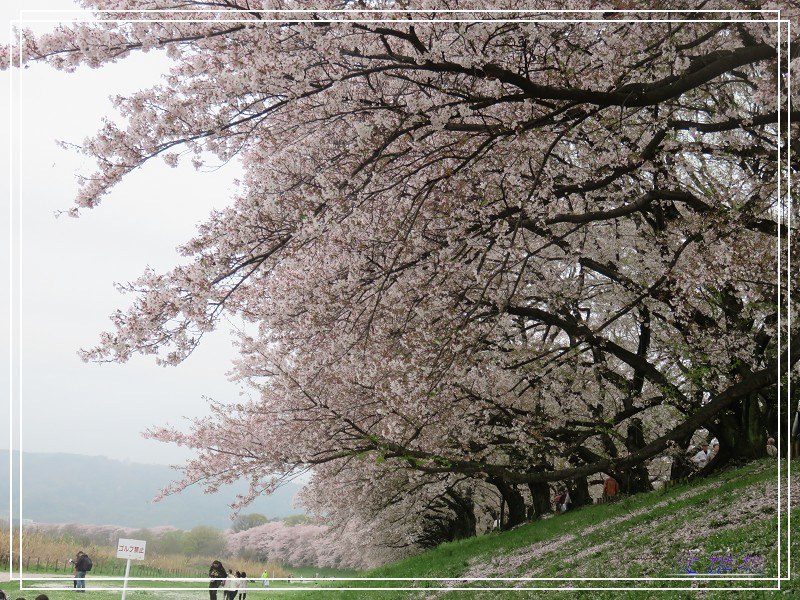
(733, 514)
(649, 535)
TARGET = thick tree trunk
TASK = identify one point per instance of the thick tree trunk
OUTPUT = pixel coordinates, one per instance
(579, 492)
(681, 465)
(452, 517)
(540, 500)
(514, 500)
(465, 523)
(634, 479)
(742, 431)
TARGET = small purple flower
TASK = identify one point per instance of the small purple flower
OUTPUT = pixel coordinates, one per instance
(752, 564)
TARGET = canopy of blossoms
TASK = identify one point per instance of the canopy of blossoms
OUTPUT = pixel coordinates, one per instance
(479, 251)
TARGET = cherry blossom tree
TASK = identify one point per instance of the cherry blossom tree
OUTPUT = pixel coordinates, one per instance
(243, 522)
(474, 255)
(303, 545)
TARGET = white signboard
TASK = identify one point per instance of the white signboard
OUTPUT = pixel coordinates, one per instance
(131, 549)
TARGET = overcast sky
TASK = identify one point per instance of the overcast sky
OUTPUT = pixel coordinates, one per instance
(68, 268)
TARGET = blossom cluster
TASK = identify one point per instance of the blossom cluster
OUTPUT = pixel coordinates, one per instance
(473, 257)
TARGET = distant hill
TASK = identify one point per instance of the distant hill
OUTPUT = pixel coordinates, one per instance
(63, 488)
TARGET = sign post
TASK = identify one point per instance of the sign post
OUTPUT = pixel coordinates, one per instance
(131, 550)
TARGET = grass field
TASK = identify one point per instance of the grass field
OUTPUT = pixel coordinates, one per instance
(728, 524)
(102, 587)
(106, 590)
(47, 553)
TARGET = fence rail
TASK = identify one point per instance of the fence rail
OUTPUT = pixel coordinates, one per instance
(100, 567)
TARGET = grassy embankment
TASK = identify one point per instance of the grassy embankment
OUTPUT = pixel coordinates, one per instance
(649, 535)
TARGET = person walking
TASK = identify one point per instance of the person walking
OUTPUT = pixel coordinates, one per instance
(243, 586)
(563, 501)
(610, 488)
(714, 451)
(701, 458)
(772, 449)
(230, 585)
(217, 574)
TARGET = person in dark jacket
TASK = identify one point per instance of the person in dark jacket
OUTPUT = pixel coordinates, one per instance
(81, 566)
(217, 574)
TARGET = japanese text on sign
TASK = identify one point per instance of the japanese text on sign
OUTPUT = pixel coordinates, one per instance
(133, 549)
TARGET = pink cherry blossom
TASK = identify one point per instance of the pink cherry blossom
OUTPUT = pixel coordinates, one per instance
(472, 257)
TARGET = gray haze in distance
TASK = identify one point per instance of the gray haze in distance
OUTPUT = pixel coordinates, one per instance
(68, 268)
(121, 493)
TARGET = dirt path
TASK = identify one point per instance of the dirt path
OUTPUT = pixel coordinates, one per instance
(5, 576)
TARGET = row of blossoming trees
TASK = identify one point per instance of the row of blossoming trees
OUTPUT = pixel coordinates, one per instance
(478, 257)
(275, 543)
